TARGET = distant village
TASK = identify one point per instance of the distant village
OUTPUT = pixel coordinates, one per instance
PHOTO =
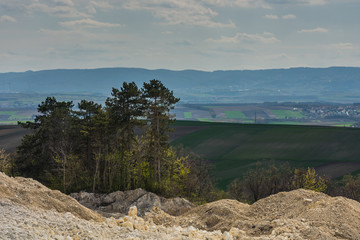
(332, 111)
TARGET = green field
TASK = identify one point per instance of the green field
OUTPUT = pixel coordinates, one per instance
(188, 115)
(205, 120)
(282, 114)
(235, 114)
(234, 148)
(8, 112)
(286, 122)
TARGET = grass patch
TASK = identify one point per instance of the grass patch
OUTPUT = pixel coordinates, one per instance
(235, 114)
(8, 122)
(205, 119)
(283, 114)
(188, 115)
(344, 124)
(286, 122)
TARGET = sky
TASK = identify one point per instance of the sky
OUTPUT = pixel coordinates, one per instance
(178, 34)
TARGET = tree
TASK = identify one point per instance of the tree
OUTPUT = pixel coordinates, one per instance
(158, 102)
(40, 153)
(351, 188)
(309, 179)
(125, 109)
(6, 164)
(264, 180)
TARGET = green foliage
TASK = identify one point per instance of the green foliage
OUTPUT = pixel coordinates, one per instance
(95, 148)
(266, 179)
(6, 162)
(270, 178)
(309, 180)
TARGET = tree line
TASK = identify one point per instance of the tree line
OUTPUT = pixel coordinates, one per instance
(269, 178)
(119, 146)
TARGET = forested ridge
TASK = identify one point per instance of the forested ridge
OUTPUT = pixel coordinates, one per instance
(96, 148)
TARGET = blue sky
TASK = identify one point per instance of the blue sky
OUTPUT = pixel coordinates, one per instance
(178, 34)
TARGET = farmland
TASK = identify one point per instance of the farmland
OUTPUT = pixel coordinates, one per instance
(272, 113)
(13, 115)
(234, 148)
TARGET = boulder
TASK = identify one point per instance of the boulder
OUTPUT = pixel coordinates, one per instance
(119, 202)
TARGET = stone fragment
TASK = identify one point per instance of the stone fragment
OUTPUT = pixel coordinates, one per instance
(132, 211)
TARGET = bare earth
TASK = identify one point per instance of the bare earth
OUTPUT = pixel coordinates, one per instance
(337, 169)
(10, 136)
(28, 210)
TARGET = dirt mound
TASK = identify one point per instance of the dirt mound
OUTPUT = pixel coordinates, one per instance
(30, 193)
(218, 215)
(118, 203)
(29, 210)
(302, 214)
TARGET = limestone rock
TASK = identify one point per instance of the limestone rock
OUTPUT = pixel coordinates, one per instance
(120, 202)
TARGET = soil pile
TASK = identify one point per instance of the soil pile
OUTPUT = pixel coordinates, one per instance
(299, 214)
(32, 194)
(31, 211)
(118, 203)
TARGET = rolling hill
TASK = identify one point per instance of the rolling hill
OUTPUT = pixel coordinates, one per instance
(234, 148)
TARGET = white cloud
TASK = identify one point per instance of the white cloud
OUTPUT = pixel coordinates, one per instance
(60, 11)
(272, 17)
(6, 18)
(238, 3)
(289, 16)
(93, 5)
(314, 30)
(64, 2)
(314, 2)
(265, 38)
(87, 22)
(298, 2)
(342, 46)
(186, 12)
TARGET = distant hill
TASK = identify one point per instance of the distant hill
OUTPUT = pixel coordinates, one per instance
(335, 84)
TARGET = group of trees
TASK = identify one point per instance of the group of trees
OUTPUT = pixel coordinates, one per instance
(123, 145)
(270, 178)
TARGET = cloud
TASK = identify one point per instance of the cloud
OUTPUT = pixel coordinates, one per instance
(87, 22)
(238, 3)
(342, 46)
(93, 5)
(265, 38)
(57, 10)
(177, 12)
(64, 2)
(272, 17)
(6, 18)
(298, 2)
(314, 30)
(289, 16)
